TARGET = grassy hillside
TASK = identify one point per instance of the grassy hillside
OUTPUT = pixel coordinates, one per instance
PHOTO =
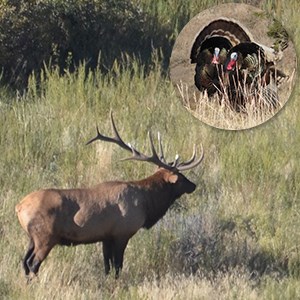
(237, 236)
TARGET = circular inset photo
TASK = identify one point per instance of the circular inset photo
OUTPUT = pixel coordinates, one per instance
(233, 66)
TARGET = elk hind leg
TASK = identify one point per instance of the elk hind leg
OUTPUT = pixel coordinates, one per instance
(38, 255)
(27, 256)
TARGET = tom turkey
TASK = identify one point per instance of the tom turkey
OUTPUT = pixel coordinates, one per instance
(208, 72)
(210, 50)
(250, 74)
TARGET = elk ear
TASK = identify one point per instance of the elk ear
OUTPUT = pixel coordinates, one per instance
(173, 178)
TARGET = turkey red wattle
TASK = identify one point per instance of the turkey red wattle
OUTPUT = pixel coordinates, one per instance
(231, 64)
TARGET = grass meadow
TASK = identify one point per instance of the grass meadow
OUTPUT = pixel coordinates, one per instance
(236, 237)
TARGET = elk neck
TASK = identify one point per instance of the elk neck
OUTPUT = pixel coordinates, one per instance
(159, 195)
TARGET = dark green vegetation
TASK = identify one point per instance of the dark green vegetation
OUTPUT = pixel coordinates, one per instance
(237, 236)
(65, 33)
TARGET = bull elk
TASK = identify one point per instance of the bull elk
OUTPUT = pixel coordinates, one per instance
(111, 212)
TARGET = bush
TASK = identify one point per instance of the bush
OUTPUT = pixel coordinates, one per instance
(65, 33)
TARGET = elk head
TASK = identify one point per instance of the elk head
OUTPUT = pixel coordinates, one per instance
(171, 170)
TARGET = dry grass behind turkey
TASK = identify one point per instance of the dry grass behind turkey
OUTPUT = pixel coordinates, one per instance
(218, 111)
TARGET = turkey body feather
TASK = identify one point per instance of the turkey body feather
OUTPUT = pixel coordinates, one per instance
(250, 73)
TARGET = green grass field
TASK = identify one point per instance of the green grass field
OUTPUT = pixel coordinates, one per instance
(236, 237)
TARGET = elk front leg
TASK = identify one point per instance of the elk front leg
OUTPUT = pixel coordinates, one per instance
(107, 255)
(118, 255)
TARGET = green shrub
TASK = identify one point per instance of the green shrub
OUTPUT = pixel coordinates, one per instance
(65, 33)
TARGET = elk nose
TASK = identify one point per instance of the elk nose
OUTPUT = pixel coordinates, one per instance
(191, 188)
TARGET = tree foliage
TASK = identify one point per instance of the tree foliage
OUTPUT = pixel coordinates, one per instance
(64, 33)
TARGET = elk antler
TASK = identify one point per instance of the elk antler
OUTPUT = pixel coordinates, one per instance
(160, 161)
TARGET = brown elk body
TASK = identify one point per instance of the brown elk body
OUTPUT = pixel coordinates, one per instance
(111, 212)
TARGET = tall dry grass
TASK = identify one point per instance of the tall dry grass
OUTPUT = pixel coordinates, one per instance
(236, 104)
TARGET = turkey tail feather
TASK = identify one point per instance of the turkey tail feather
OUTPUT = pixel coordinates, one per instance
(229, 29)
